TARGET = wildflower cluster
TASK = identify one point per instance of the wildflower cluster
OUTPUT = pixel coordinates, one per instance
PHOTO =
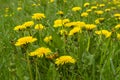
(68, 40)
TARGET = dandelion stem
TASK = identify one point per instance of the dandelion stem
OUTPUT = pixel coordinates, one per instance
(29, 33)
(93, 70)
(28, 63)
(88, 45)
(36, 70)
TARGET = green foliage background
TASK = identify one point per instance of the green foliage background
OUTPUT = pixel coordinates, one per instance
(101, 62)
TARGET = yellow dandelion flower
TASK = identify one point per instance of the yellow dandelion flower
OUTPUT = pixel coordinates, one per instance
(98, 32)
(25, 40)
(34, 4)
(102, 5)
(60, 22)
(99, 12)
(63, 32)
(90, 26)
(40, 52)
(118, 18)
(60, 12)
(28, 24)
(38, 4)
(38, 16)
(116, 2)
(65, 1)
(93, 7)
(6, 15)
(86, 4)
(107, 10)
(89, 10)
(75, 30)
(79, 24)
(19, 27)
(84, 14)
(117, 15)
(64, 60)
(75, 24)
(118, 36)
(34, 53)
(11, 15)
(47, 39)
(117, 26)
(106, 33)
(43, 51)
(70, 24)
(39, 27)
(19, 8)
(76, 9)
(51, 1)
(118, 5)
(99, 20)
(65, 21)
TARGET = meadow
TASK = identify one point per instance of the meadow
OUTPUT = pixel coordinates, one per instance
(59, 40)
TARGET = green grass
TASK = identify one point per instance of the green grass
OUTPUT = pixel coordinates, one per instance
(97, 57)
